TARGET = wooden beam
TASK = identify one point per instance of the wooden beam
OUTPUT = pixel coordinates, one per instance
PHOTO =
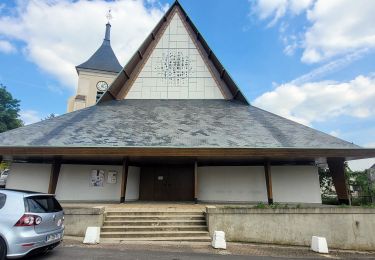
(196, 182)
(358, 153)
(124, 180)
(337, 171)
(267, 172)
(54, 176)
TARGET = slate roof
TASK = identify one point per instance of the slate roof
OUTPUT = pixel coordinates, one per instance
(171, 123)
(104, 59)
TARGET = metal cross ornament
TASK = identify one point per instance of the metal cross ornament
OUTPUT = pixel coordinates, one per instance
(109, 15)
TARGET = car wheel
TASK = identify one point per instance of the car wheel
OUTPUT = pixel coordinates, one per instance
(3, 249)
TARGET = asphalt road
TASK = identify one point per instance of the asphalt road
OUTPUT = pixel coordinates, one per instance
(109, 254)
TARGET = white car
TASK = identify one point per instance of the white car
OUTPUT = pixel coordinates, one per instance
(3, 178)
(30, 223)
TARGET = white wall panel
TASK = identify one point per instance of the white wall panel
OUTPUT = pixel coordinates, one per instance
(232, 183)
(74, 184)
(29, 176)
(295, 184)
(132, 187)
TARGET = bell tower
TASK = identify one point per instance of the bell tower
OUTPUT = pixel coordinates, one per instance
(96, 74)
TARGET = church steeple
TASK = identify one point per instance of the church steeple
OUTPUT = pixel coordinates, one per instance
(104, 59)
(107, 36)
(95, 74)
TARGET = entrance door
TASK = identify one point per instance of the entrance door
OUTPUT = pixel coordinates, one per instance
(167, 183)
(161, 184)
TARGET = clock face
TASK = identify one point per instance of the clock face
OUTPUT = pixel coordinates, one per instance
(102, 86)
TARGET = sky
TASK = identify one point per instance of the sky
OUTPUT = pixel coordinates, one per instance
(311, 61)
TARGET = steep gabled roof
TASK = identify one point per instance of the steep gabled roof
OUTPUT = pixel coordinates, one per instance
(121, 85)
(104, 59)
(172, 123)
(182, 127)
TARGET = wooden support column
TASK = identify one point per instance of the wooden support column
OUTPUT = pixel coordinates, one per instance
(337, 171)
(54, 176)
(124, 180)
(267, 172)
(196, 182)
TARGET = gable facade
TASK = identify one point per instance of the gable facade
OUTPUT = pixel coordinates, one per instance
(175, 69)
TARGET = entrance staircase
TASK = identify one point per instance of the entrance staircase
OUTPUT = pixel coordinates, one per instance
(154, 225)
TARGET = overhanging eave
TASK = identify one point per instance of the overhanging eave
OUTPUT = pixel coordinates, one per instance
(290, 153)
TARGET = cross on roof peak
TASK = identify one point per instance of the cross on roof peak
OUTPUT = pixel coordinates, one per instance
(109, 15)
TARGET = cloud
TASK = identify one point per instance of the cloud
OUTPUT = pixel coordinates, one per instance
(58, 35)
(339, 27)
(30, 116)
(330, 67)
(335, 133)
(7, 47)
(363, 164)
(360, 165)
(319, 101)
(370, 145)
(276, 9)
(334, 28)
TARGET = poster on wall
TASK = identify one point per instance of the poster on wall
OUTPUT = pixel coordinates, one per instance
(112, 177)
(97, 178)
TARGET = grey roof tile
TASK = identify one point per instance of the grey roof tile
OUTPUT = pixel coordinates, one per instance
(171, 123)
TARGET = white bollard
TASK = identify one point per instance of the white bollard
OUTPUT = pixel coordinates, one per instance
(319, 244)
(218, 240)
(92, 235)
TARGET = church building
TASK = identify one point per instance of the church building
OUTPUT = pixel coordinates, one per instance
(172, 125)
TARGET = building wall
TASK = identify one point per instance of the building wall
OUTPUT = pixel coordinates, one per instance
(74, 184)
(296, 184)
(290, 184)
(232, 183)
(29, 176)
(87, 81)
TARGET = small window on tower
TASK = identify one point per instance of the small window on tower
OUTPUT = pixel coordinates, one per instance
(99, 94)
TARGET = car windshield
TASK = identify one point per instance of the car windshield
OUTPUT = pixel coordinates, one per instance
(42, 204)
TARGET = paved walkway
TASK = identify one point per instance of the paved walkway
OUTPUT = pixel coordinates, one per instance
(73, 249)
(114, 254)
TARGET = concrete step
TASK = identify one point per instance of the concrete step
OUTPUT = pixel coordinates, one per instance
(154, 222)
(149, 234)
(201, 239)
(154, 217)
(152, 228)
(151, 213)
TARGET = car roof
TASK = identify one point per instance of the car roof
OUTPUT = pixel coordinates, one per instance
(22, 192)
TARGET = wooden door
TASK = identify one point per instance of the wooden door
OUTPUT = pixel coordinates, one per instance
(146, 184)
(181, 183)
(161, 184)
(167, 183)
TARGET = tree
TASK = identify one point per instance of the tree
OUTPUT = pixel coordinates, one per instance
(361, 189)
(361, 183)
(50, 116)
(327, 187)
(9, 111)
(326, 183)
